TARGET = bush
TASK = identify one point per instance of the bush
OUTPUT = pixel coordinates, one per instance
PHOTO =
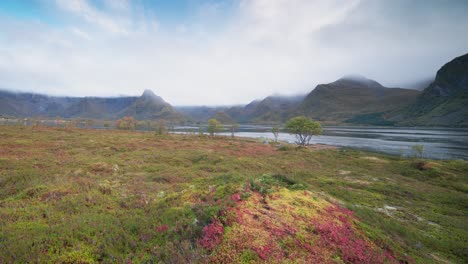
(126, 123)
(303, 128)
(160, 128)
(418, 151)
(214, 126)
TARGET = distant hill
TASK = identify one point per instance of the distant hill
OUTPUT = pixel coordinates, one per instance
(200, 113)
(351, 98)
(150, 107)
(147, 106)
(444, 102)
(272, 109)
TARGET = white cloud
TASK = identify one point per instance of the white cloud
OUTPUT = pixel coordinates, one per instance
(90, 14)
(261, 47)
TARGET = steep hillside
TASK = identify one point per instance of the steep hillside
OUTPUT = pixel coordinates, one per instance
(350, 97)
(444, 102)
(272, 109)
(150, 106)
(147, 106)
(29, 104)
(98, 108)
(200, 113)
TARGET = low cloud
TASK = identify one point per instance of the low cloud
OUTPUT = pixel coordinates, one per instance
(228, 52)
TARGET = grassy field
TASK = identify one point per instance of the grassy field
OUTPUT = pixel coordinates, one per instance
(86, 196)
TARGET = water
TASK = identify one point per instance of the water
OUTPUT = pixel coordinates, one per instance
(439, 143)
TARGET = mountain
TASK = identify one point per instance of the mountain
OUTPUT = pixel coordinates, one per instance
(444, 102)
(147, 106)
(200, 113)
(272, 109)
(352, 99)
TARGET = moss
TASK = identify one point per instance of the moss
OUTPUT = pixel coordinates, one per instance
(59, 191)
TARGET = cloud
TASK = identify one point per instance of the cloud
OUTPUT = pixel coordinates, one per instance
(228, 52)
(83, 9)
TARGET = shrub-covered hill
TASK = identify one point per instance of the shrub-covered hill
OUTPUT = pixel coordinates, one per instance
(88, 196)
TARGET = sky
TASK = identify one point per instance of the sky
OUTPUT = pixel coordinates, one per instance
(225, 52)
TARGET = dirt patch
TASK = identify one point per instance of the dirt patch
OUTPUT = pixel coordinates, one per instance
(102, 167)
(54, 195)
(343, 172)
(353, 180)
(374, 159)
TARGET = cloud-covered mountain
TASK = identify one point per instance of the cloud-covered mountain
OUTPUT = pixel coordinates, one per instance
(352, 96)
(272, 109)
(351, 99)
(444, 102)
(147, 106)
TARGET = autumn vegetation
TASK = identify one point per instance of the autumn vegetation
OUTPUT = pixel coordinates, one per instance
(73, 195)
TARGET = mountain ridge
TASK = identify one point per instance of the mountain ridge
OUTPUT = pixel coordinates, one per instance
(352, 99)
(444, 102)
(141, 107)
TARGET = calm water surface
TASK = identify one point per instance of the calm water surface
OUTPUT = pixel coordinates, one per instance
(439, 143)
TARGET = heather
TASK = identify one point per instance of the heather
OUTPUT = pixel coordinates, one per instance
(88, 196)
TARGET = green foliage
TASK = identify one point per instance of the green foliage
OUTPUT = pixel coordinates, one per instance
(106, 124)
(126, 123)
(214, 126)
(268, 183)
(303, 128)
(160, 128)
(275, 130)
(123, 196)
(418, 151)
(249, 256)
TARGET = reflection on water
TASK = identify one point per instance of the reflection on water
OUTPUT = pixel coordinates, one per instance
(439, 143)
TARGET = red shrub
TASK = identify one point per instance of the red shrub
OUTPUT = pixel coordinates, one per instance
(263, 252)
(340, 235)
(236, 197)
(212, 235)
(162, 228)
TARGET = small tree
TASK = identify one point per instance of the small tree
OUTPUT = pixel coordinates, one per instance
(214, 126)
(126, 123)
(233, 128)
(418, 151)
(161, 128)
(275, 130)
(303, 128)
